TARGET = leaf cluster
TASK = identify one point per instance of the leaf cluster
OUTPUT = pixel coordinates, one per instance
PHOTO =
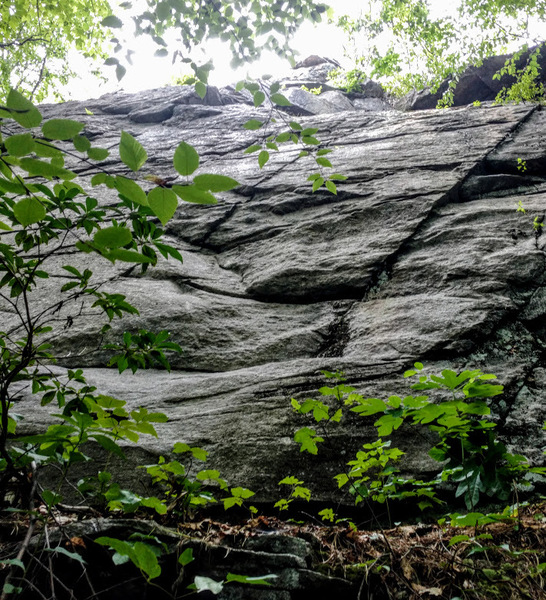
(473, 461)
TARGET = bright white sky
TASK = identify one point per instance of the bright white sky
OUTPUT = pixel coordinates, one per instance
(151, 72)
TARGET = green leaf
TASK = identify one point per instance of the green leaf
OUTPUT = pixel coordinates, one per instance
(51, 498)
(338, 177)
(327, 514)
(9, 588)
(129, 256)
(145, 559)
(14, 561)
(253, 148)
(201, 89)
(323, 162)
(112, 21)
(468, 520)
(20, 145)
(186, 557)
(318, 183)
(163, 202)
(191, 193)
(81, 143)
(28, 211)
(99, 179)
(456, 539)
(108, 444)
(283, 137)
(341, 479)
(131, 151)
(72, 555)
(44, 169)
(331, 187)
(120, 72)
(155, 503)
(61, 129)
(22, 110)
(131, 190)
(46, 150)
(302, 492)
(240, 492)
(215, 183)
(4, 226)
(203, 584)
(258, 580)
(186, 159)
(280, 100)
(307, 439)
(369, 406)
(113, 237)
(386, 424)
(208, 474)
(253, 124)
(259, 98)
(290, 480)
(98, 153)
(263, 157)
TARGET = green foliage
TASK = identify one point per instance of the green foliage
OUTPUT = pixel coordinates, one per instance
(350, 80)
(206, 584)
(36, 39)
(316, 90)
(297, 492)
(49, 218)
(405, 46)
(249, 29)
(143, 555)
(142, 350)
(474, 463)
(528, 87)
(181, 492)
(295, 134)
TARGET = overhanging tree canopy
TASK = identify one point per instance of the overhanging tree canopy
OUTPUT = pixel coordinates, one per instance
(408, 45)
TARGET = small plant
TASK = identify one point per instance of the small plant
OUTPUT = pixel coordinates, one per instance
(295, 133)
(297, 491)
(528, 86)
(347, 80)
(474, 463)
(522, 165)
(181, 493)
(316, 90)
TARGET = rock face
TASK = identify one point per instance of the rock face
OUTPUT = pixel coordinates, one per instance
(420, 256)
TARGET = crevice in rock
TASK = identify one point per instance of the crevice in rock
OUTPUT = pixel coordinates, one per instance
(452, 195)
(338, 334)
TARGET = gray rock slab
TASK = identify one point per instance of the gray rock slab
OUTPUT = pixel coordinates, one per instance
(418, 256)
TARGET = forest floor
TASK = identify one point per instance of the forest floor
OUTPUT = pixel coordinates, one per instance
(504, 560)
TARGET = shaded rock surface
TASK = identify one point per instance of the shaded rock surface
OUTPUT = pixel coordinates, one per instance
(420, 256)
(285, 561)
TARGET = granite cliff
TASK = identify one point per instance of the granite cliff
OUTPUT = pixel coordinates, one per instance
(422, 255)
